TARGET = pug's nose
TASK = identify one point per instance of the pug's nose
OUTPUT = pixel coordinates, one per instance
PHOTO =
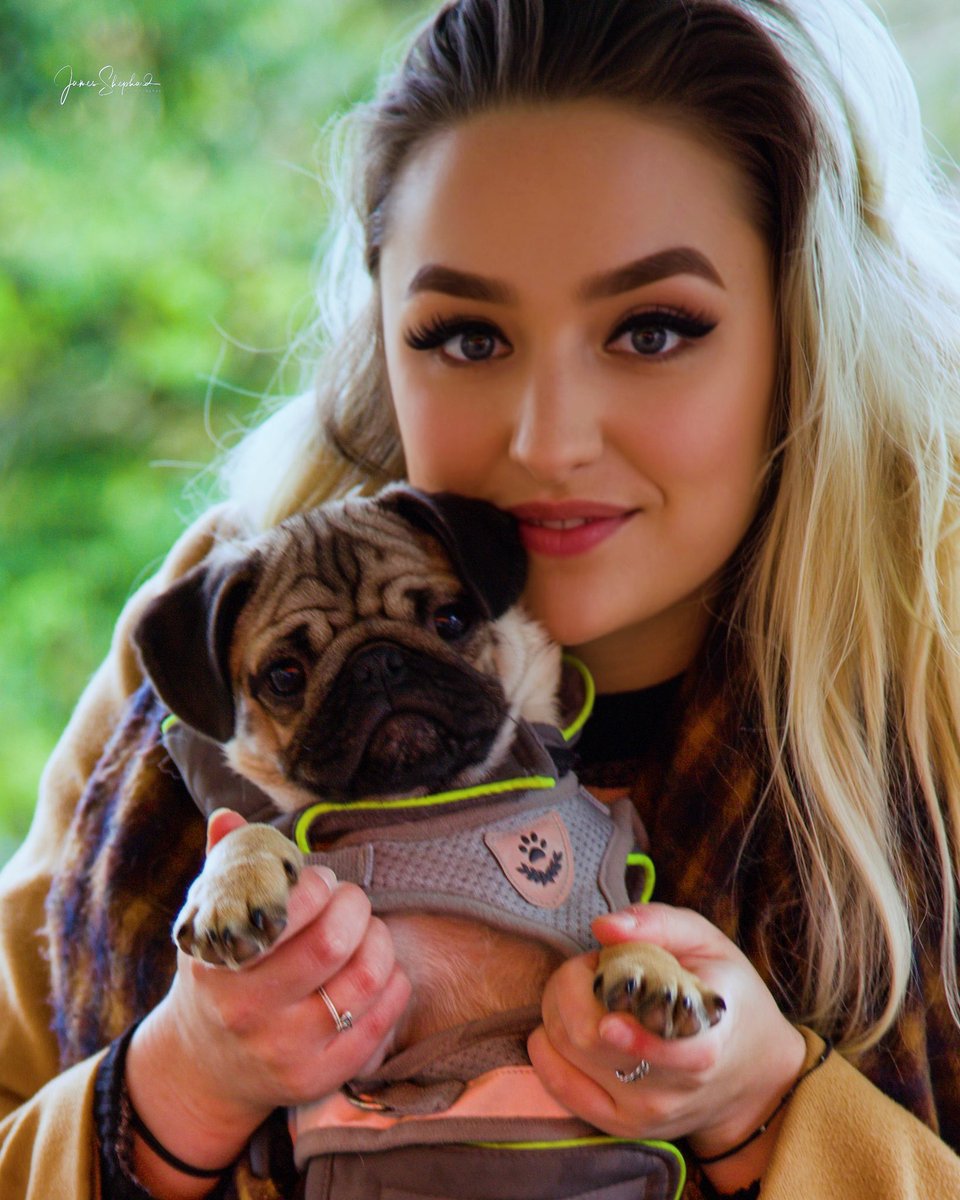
(379, 665)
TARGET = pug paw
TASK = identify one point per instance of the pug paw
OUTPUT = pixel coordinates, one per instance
(237, 907)
(647, 981)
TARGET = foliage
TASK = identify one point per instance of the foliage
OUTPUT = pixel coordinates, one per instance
(154, 265)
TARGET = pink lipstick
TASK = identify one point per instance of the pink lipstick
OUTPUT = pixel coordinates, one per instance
(565, 528)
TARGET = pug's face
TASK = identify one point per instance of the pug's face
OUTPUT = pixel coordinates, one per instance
(369, 647)
(360, 664)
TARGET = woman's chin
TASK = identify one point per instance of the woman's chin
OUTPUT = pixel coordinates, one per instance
(576, 634)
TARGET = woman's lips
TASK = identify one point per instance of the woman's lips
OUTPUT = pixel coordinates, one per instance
(568, 528)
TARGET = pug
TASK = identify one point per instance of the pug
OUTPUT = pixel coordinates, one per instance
(375, 647)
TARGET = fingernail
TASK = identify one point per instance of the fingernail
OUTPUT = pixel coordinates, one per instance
(326, 875)
(623, 921)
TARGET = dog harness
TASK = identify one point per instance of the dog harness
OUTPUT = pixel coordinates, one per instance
(528, 851)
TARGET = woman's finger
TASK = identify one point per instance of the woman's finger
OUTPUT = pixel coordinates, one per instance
(222, 822)
(682, 931)
(569, 1008)
(358, 985)
(572, 1016)
(623, 1036)
(359, 1048)
(582, 1031)
(324, 931)
(567, 1084)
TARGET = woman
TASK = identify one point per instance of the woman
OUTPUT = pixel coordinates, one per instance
(671, 282)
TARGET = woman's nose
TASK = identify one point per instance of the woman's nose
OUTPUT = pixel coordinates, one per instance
(557, 427)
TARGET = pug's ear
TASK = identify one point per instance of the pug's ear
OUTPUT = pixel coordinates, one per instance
(184, 641)
(481, 540)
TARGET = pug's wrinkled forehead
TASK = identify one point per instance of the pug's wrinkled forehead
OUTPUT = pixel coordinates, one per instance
(328, 583)
(399, 555)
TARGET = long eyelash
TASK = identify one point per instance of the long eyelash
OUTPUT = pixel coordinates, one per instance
(441, 329)
(689, 325)
(438, 331)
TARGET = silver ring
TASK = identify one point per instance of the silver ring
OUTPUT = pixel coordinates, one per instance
(343, 1021)
(640, 1071)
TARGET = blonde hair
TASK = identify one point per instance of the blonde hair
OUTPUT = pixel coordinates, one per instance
(844, 600)
(850, 607)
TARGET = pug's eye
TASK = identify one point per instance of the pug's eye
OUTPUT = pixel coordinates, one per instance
(452, 621)
(285, 678)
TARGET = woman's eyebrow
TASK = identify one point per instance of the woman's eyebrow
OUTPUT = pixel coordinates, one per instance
(678, 260)
(467, 285)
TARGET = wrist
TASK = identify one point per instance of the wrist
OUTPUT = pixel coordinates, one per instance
(736, 1173)
(125, 1174)
(756, 1101)
(193, 1117)
(746, 1158)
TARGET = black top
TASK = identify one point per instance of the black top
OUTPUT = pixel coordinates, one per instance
(627, 730)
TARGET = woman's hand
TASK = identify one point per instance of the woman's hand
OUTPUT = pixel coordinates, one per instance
(714, 1088)
(224, 1048)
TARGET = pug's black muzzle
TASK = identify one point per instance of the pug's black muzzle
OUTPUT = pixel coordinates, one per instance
(397, 719)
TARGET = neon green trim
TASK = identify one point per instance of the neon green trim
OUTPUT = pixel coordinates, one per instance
(525, 783)
(168, 722)
(650, 873)
(600, 1140)
(590, 696)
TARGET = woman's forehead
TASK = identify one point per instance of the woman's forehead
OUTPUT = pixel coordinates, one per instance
(576, 189)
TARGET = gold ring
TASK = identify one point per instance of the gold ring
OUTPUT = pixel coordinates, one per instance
(343, 1021)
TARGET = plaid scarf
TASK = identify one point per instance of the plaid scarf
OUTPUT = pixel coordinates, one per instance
(137, 838)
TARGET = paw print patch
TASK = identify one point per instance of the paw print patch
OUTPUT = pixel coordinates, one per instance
(536, 858)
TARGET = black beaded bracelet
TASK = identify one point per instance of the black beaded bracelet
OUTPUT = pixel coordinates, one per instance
(762, 1129)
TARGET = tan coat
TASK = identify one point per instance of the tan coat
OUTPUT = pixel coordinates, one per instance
(841, 1137)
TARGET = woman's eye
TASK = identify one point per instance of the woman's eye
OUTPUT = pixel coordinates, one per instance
(658, 334)
(460, 341)
(653, 339)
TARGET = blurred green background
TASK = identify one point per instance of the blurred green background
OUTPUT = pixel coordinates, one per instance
(155, 264)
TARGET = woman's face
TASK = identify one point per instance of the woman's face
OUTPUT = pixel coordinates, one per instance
(578, 320)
